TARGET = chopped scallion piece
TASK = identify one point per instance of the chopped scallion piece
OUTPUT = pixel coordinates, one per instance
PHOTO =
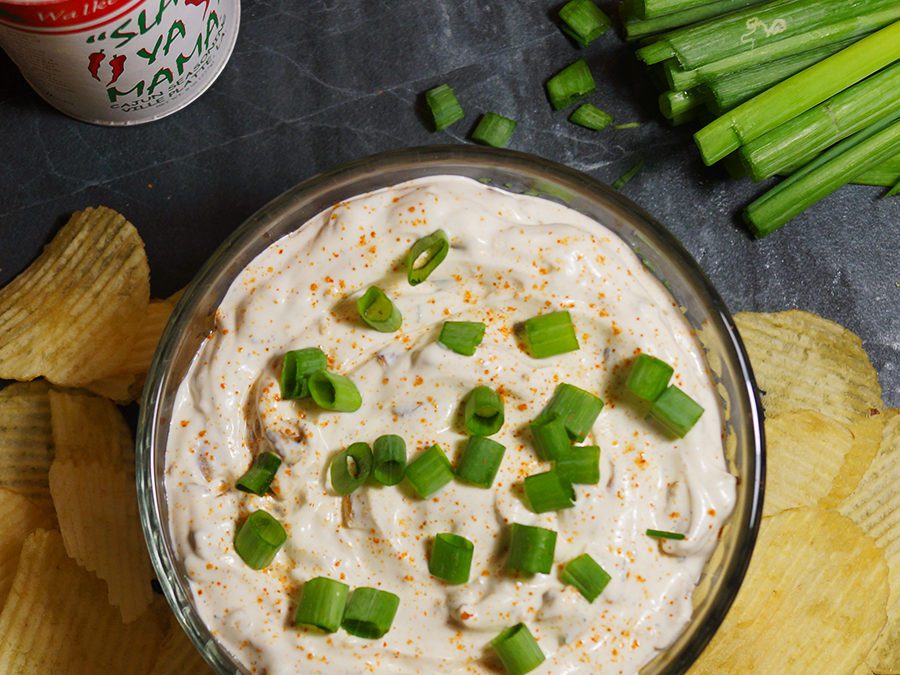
(334, 392)
(551, 440)
(425, 255)
(483, 412)
(591, 117)
(462, 337)
(583, 21)
(350, 468)
(570, 84)
(388, 459)
(377, 310)
(258, 539)
(370, 612)
(531, 549)
(620, 182)
(548, 491)
(322, 603)
(429, 472)
(586, 575)
(676, 411)
(297, 366)
(260, 475)
(577, 408)
(518, 650)
(451, 558)
(648, 377)
(444, 106)
(494, 130)
(580, 465)
(549, 334)
(480, 461)
(628, 125)
(662, 534)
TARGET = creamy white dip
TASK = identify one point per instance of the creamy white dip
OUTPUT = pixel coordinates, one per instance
(512, 257)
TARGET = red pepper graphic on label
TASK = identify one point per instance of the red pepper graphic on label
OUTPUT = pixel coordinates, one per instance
(117, 64)
(94, 61)
(197, 3)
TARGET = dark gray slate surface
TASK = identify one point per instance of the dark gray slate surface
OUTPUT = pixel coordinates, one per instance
(315, 83)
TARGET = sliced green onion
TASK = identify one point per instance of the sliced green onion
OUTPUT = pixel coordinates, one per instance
(444, 106)
(260, 475)
(451, 558)
(549, 334)
(531, 549)
(636, 27)
(350, 468)
(648, 377)
(370, 612)
(622, 180)
(258, 539)
(462, 337)
(583, 21)
(322, 603)
(483, 412)
(586, 575)
(577, 408)
(389, 459)
(480, 461)
(551, 440)
(676, 411)
(627, 125)
(548, 491)
(663, 534)
(518, 650)
(297, 366)
(590, 116)
(377, 310)
(334, 392)
(570, 84)
(429, 472)
(494, 130)
(425, 255)
(580, 465)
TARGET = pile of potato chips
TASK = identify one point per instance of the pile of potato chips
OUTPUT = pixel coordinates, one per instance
(75, 578)
(78, 330)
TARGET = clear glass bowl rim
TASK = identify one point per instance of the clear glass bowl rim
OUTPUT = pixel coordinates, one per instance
(434, 160)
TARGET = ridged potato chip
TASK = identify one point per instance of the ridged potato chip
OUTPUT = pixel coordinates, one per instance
(71, 315)
(804, 362)
(812, 602)
(92, 484)
(804, 454)
(56, 619)
(866, 439)
(26, 439)
(126, 383)
(875, 506)
(20, 517)
(178, 654)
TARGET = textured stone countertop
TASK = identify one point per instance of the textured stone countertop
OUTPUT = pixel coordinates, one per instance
(316, 83)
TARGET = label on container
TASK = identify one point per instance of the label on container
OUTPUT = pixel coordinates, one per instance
(119, 61)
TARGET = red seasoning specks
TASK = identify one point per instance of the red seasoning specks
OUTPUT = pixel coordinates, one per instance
(512, 258)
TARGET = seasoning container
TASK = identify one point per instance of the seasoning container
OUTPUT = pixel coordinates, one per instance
(119, 62)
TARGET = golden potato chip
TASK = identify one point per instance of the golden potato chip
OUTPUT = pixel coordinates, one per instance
(20, 517)
(88, 428)
(804, 453)
(813, 599)
(126, 383)
(178, 654)
(804, 362)
(56, 619)
(26, 440)
(866, 439)
(875, 506)
(71, 315)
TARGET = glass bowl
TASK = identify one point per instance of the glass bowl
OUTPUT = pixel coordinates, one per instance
(516, 172)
